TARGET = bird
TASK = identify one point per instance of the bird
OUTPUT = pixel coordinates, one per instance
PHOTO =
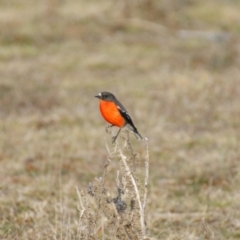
(116, 114)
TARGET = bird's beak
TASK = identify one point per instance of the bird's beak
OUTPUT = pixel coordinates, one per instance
(98, 96)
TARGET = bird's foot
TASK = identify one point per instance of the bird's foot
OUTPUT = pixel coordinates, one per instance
(108, 129)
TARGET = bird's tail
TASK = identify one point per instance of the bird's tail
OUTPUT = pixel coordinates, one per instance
(134, 131)
(137, 135)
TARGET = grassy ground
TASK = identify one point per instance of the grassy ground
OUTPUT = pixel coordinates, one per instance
(175, 67)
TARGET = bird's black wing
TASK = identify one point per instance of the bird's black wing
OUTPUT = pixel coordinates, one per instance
(128, 120)
(126, 116)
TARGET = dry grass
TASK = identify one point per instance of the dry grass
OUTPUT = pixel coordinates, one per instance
(175, 66)
(122, 216)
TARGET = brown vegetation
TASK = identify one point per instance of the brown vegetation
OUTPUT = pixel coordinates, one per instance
(175, 67)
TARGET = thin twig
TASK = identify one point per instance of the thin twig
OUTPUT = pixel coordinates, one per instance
(146, 175)
(123, 157)
(81, 208)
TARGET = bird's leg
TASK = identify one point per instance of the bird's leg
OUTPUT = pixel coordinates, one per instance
(115, 137)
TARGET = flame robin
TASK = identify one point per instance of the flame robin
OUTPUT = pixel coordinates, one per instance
(116, 114)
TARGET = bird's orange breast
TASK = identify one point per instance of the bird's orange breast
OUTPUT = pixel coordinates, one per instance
(111, 114)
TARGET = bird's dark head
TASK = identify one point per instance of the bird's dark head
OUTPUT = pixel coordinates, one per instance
(105, 96)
